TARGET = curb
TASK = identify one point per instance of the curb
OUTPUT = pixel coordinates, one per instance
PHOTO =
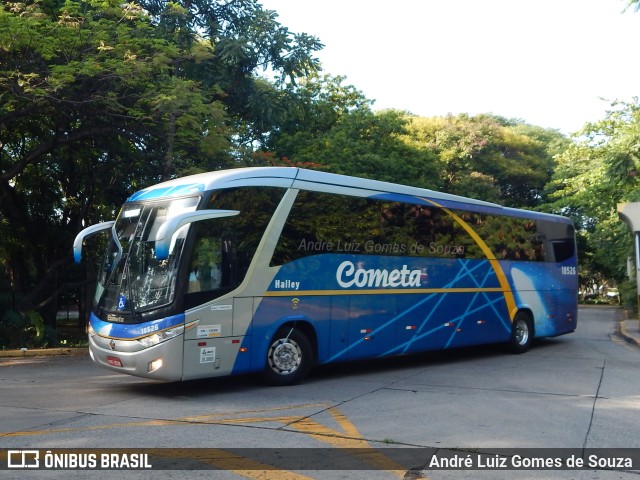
(43, 352)
(633, 339)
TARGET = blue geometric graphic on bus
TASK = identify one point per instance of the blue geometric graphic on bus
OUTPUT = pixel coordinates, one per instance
(458, 302)
(129, 331)
(430, 330)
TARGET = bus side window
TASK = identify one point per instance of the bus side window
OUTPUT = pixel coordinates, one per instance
(205, 272)
(223, 248)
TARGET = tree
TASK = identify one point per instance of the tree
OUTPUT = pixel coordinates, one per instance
(485, 157)
(597, 172)
(73, 79)
(633, 4)
(245, 40)
(488, 157)
(332, 124)
(100, 97)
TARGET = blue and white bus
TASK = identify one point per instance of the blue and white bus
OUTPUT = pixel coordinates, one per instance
(275, 269)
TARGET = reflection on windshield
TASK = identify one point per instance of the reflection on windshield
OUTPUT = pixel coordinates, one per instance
(131, 279)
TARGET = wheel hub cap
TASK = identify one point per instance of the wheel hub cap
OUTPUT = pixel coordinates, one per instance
(286, 357)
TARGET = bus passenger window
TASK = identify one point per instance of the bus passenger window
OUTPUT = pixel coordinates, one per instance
(205, 272)
(223, 248)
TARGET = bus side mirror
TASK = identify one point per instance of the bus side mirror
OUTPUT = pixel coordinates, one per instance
(77, 243)
(164, 237)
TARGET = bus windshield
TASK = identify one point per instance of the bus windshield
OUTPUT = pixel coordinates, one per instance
(131, 280)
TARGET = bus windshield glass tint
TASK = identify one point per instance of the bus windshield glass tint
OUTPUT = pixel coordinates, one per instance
(131, 279)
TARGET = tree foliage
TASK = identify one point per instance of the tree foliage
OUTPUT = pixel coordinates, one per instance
(596, 173)
(484, 157)
(332, 125)
(100, 97)
(633, 4)
(488, 157)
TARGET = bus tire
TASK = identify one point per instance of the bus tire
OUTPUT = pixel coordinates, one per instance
(288, 358)
(521, 333)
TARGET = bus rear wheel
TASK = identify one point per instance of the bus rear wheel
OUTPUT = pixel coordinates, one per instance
(288, 358)
(521, 333)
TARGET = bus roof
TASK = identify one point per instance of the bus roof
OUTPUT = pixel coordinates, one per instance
(292, 177)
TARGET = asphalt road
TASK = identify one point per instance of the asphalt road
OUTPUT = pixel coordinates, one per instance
(579, 391)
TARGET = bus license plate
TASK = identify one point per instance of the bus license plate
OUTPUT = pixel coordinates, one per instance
(114, 361)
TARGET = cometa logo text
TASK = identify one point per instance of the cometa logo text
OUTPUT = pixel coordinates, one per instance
(348, 275)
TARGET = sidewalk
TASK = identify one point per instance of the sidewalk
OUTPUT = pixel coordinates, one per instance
(37, 352)
(630, 330)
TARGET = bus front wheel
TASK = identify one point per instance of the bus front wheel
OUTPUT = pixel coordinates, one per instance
(288, 358)
(521, 333)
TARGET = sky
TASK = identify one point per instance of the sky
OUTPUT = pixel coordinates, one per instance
(552, 63)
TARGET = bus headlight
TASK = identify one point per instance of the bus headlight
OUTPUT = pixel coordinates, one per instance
(163, 336)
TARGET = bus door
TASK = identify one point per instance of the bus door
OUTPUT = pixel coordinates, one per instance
(203, 348)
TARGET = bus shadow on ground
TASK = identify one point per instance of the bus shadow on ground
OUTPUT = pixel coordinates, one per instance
(322, 373)
(418, 360)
